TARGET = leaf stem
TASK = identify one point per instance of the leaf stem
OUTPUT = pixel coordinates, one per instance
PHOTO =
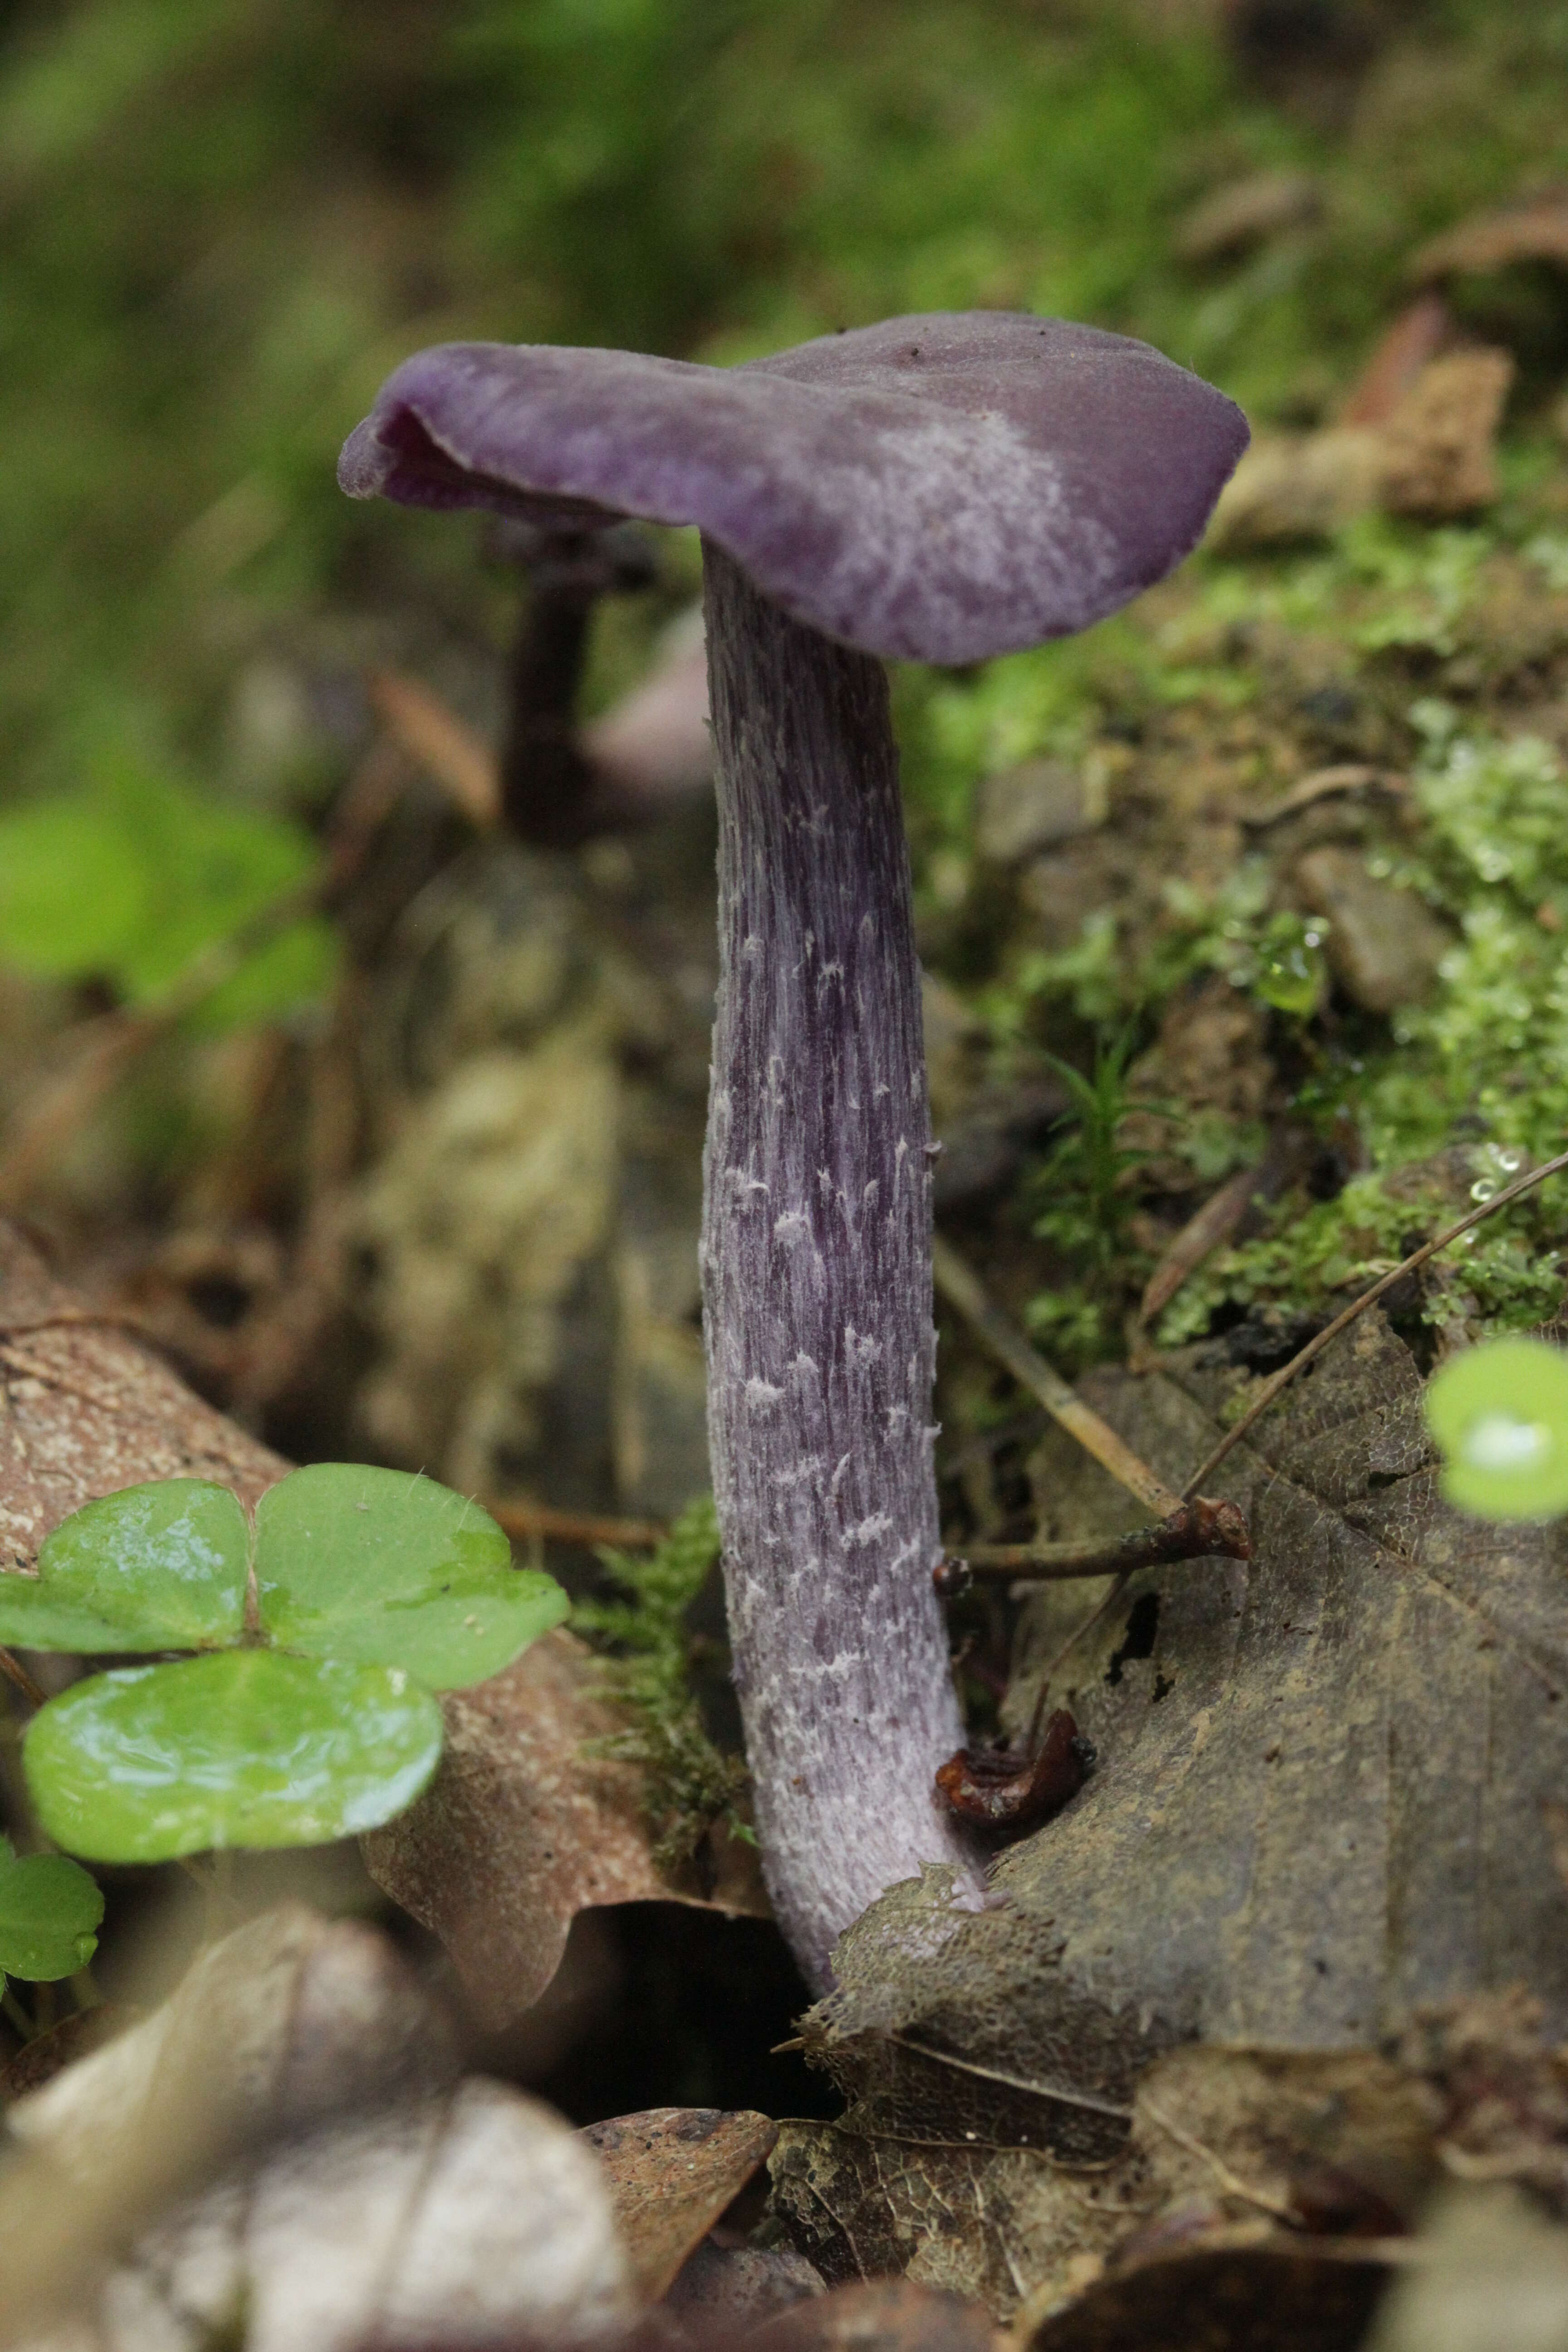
(960, 1287)
(16, 1672)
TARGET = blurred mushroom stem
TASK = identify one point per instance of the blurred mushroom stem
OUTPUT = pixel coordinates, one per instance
(561, 784)
(817, 1276)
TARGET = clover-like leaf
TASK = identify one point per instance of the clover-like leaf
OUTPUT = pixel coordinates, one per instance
(1499, 1414)
(160, 1566)
(393, 1570)
(50, 1912)
(249, 1747)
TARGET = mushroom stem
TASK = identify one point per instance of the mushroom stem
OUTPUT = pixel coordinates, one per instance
(817, 1276)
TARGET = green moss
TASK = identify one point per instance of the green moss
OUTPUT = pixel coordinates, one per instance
(692, 1784)
(1315, 1257)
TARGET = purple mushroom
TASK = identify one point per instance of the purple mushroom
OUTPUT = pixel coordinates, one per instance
(938, 488)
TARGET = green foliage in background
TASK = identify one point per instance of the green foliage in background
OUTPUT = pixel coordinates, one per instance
(648, 1638)
(225, 223)
(321, 1628)
(128, 877)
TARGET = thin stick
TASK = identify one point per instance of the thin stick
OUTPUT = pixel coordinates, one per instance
(1198, 1531)
(961, 1289)
(1314, 1347)
(16, 1672)
(446, 750)
(527, 1520)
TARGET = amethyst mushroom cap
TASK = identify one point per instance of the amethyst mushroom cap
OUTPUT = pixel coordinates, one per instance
(939, 489)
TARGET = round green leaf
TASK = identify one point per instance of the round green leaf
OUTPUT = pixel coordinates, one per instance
(160, 1566)
(379, 1565)
(246, 1748)
(49, 1910)
(1499, 1414)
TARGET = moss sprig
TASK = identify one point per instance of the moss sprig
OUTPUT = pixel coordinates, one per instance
(693, 1786)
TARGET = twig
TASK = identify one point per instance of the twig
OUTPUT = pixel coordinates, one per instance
(1198, 1530)
(1212, 1223)
(527, 1520)
(16, 1672)
(1315, 1345)
(961, 1289)
(449, 752)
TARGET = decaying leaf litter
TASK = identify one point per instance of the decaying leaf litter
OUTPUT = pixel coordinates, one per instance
(1327, 1790)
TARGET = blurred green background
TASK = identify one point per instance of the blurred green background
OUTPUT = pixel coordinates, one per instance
(225, 219)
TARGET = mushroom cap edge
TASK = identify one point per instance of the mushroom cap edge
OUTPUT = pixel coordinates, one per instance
(942, 487)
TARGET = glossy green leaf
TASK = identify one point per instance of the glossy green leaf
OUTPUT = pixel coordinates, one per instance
(160, 1566)
(1499, 1414)
(50, 1912)
(379, 1565)
(248, 1748)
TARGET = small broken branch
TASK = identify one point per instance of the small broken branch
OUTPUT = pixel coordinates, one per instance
(1197, 1530)
(1314, 1348)
(16, 1673)
(532, 1520)
(431, 734)
(1203, 1231)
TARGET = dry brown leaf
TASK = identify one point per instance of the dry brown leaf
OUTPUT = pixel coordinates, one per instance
(1318, 1799)
(86, 1408)
(671, 2172)
(522, 1828)
(1439, 444)
(474, 2218)
(724, 2291)
(1322, 1803)
(1423, 329)
(1433, 453)
(1222, 2149)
